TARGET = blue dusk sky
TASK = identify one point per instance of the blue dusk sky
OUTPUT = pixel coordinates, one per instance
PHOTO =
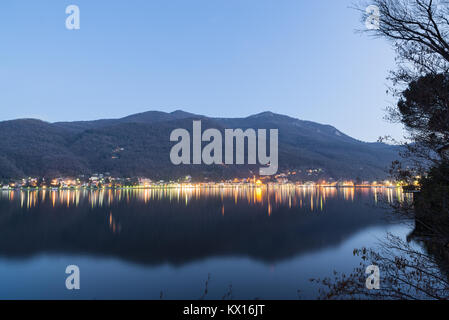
(226, 58)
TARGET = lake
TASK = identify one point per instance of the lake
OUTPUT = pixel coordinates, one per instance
(264, 242)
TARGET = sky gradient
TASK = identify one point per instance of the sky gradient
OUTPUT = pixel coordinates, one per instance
(226, 58)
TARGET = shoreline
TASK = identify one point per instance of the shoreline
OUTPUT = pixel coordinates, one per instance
(225, 186)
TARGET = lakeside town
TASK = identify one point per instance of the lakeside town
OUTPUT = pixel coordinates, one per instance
(106, 181)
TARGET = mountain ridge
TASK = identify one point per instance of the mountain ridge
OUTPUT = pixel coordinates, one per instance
(32, 147)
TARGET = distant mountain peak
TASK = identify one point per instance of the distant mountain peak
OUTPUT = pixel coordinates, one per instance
(264, 114)
(182, 113)
(179, 111)
(268, 115)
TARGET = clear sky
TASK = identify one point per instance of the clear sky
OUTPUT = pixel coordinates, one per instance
(227, 58)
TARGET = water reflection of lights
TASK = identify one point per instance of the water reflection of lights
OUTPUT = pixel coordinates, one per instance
(272, 196)
(113, 225)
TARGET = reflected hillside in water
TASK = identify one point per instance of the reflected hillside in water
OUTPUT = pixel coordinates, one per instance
(181, 225)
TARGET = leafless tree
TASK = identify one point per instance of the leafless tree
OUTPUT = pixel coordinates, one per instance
(419, 32)
(406, 273)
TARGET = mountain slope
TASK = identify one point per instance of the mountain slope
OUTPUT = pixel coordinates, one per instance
(138, 145)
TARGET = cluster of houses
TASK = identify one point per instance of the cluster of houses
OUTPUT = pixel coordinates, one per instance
(97, 181)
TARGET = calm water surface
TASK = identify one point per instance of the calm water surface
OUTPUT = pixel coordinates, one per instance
(134, 244)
